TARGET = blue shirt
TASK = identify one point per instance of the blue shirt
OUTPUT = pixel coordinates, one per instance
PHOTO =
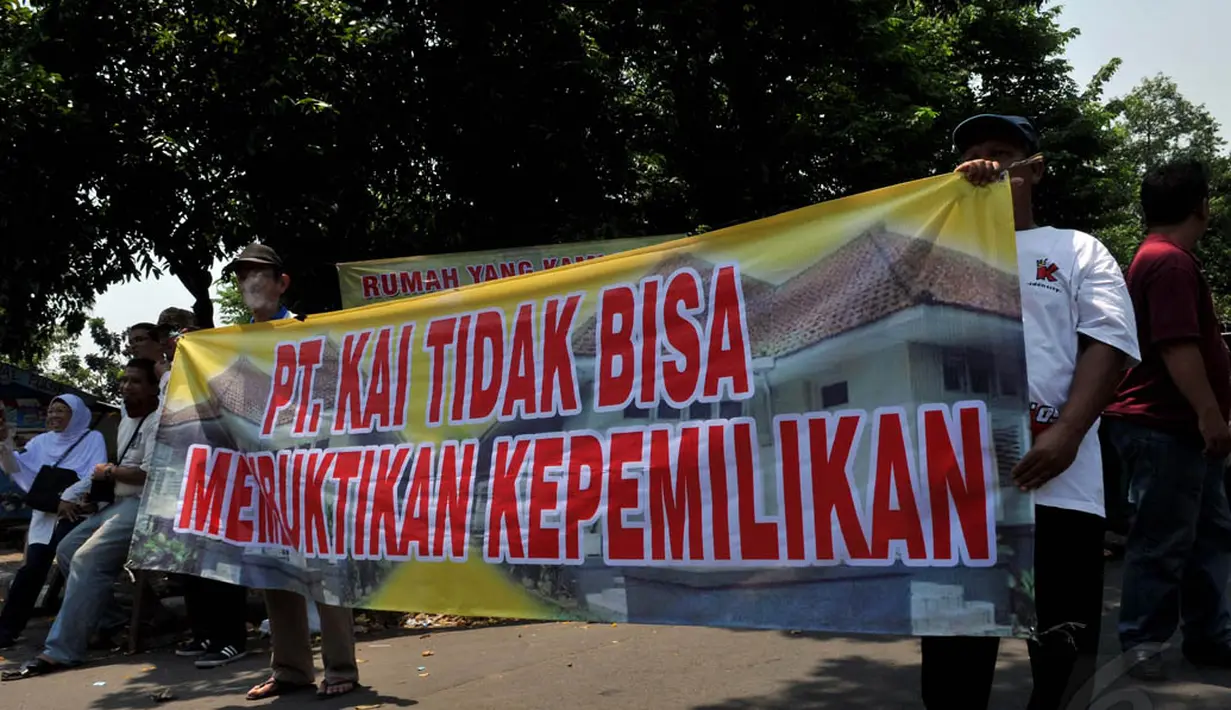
(283, 312)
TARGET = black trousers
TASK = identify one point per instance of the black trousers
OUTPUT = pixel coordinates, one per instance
(217, 611)
(1068, 578)
(1115, 486)
(29, 581)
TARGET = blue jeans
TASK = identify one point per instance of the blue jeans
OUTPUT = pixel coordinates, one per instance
(94, 555)
(1178, 555)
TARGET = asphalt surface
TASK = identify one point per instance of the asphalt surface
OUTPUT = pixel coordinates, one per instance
(599, 666)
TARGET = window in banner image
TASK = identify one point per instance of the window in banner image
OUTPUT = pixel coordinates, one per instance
(667, 413)
(632, 411)
(834, 395)
(730, 410)
(955, 371)
(975, 372)
(697, 411)
(979, 365)
(761, 411)
(1009, 386)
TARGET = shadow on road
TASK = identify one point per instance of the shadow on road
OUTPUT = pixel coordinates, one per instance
(860, 681)
(186, 683)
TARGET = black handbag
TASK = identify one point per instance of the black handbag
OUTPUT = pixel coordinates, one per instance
(51, 481)
(103, 491)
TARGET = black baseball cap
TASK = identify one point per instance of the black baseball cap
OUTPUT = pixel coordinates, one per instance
(256, 254)
(991, 125)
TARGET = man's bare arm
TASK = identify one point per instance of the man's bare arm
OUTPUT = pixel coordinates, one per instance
(1099, 370)
(1187, 369)
(131, 475)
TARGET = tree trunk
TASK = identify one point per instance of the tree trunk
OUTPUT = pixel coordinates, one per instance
(198, 281)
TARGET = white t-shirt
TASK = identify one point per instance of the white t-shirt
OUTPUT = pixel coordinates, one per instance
(1070, 284)
(141, 453)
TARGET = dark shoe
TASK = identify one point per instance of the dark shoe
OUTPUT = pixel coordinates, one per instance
(1217, 655)
(192, 648)
(220, 657)
(1146, 663)
(36, 667)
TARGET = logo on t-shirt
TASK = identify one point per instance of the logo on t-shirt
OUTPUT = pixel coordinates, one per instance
(1045, 270)
(1041, 417)
(1047, 276)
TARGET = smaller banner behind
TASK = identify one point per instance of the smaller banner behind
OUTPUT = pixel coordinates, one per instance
(364, 282)
(804, 422)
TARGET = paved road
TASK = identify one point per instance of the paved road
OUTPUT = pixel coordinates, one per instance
(595, 666)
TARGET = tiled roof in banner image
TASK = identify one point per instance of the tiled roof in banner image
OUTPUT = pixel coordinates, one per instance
(871, 277)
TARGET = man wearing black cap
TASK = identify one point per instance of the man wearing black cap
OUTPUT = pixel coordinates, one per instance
(217, 611)
(1080, 336)
(262, 282)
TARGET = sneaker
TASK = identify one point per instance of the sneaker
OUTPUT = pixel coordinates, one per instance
(1146, 663)
(192, 648)
(1214, 655)
(220, 657)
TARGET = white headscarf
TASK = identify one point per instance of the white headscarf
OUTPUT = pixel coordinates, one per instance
(62, 446)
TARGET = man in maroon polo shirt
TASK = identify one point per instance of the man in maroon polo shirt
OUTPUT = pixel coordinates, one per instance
(1169, 427)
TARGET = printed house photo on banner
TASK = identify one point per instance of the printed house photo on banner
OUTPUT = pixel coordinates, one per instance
(804, 422)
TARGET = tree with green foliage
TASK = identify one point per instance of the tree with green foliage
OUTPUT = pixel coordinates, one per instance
(1160, 124)
(1155, 123)
(97, 373)
(54, 259)
(160, 135)
(230, 302)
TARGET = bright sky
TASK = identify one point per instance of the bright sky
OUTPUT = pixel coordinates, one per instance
(1184, 39)
(141, 301)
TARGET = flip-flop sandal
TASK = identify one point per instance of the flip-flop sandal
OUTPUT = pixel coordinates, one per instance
(36, 667)
(273, 687)
(326, 686)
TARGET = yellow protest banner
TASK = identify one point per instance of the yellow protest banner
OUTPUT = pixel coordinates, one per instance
(365, 282)
(747, 428)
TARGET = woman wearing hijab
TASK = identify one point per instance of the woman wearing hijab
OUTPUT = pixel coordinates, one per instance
(70, 444)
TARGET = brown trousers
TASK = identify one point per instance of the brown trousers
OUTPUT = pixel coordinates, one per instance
(292, 641)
